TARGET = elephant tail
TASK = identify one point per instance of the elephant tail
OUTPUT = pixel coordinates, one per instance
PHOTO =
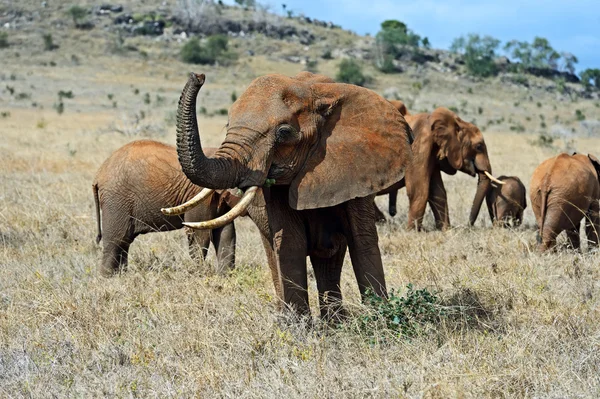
(543, 209)
(97, 202)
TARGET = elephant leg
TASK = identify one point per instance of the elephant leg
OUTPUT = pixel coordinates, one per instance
(592, 224)
(327, 273)
(114, 256)
(379, 216)
(364, 249)
(290, 249)
(438, 201)
(573, 238)
(393, 198)
(547, 237)
(198, 243)
(224, 240)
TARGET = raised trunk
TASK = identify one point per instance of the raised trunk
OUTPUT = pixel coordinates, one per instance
(216, 173)
(483, 187)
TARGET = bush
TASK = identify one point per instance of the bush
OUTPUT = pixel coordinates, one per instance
(349, 71)
(392, 41)
(77, 13)
(479, 54)
(407, 315)
(48, 42)
(579, 115)
(215, 50)
(3, 40)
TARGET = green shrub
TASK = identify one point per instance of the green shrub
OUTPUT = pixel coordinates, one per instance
(233, 96)
(3, 40)
(215, 50)
(65, 94)
(407, 315)
(349, 71)
(517, 128)
(77, 13)
(49, 42)
(579, 115)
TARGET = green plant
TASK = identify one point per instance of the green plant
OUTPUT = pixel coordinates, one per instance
(147, 98)
(110, 96)
(517, 128)
(579, 115)
(77, 13)
(470, 90)
(41, 124)
(49, 42)
(349, 71)
(3, 40)
(222, 111)
(327, 55)
(214, 50)
(59, 107)
(591, 78)
(202, 110)
(233, 96)
(407, 315)
(479, 110)
(23, 96)
(543, 140)
(478, 52)
(4, 114)
(65, 94)
(539, 104)
(543, 124)
(453, 109)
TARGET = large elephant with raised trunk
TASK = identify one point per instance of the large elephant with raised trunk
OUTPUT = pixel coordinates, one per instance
(322, 150)
(129, 190)
(442, 143)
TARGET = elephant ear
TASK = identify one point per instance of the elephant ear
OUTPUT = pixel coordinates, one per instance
(596, 164)
(360, 147)
(445, 131)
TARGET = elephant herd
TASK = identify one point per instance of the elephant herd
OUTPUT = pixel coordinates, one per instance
(304, 158)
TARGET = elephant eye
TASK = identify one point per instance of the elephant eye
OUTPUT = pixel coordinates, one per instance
(479, 147)
(285, 133)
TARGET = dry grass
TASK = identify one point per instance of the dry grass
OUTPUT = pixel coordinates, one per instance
(529, 326)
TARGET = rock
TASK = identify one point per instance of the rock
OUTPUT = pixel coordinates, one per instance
(117, 8)
(391, 93)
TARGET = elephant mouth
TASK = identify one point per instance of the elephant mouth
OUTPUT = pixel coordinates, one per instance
(470, 168)
(279, 172)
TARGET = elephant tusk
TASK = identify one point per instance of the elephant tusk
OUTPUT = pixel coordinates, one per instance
(229, 216)
(492, 178)
(183, 208)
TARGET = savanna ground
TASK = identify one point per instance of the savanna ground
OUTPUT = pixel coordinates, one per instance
(528, 324)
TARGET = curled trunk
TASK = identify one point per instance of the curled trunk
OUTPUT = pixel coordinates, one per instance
(215, 173)
(483, 187)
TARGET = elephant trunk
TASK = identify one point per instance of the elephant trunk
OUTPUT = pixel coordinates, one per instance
(215, 173)
(484, 185)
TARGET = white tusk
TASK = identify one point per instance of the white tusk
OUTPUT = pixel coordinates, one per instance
(492, 178)
(183, 208)
(229, 216)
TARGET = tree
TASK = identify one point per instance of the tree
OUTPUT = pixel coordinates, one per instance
(539, 54)
(392, 41)
(479, 53)
(591, 77)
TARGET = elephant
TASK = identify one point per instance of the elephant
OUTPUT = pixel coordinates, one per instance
(400, 106)
(320, 151)
(507, 201)
(442, 143)
(129, 190)
(563, 190)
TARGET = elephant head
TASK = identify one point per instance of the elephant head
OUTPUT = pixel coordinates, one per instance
(476, 163)
(328, 142)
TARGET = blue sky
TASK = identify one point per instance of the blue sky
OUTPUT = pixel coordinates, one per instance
(569, 25)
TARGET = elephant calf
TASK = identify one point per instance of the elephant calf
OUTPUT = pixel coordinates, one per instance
(563, 190)
(507, 202)
(130, 189)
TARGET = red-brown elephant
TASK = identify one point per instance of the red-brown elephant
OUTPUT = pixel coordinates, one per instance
(564, 190)
(325, 149)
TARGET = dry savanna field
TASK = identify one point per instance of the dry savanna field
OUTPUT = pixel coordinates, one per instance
(517, 324)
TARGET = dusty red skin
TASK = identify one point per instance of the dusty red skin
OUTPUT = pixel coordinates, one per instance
(442, 142)
(563, 190)
(508, 201)
(131, 187)
(329, 147)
